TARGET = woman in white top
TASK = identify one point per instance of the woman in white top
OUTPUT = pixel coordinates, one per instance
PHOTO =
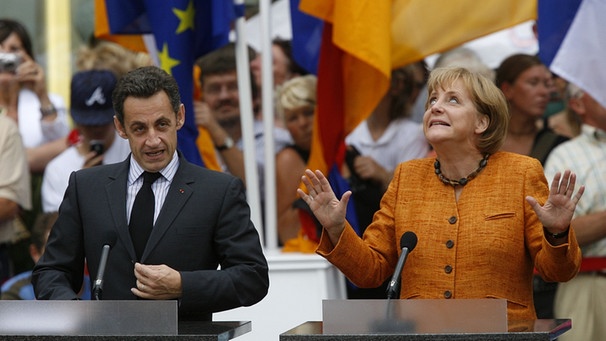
(386, 138)
(24, 97)
(376, 146)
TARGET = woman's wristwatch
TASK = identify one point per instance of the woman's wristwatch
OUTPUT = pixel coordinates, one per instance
(48, 111)
(557, 235)
(227, 144)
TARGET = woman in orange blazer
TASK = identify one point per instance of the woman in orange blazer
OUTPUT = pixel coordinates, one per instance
(479, 236)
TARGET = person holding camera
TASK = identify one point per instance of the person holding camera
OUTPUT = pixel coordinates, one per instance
(41, 117)
(93, 116)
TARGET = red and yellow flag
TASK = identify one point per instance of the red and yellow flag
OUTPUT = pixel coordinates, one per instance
(364, 40)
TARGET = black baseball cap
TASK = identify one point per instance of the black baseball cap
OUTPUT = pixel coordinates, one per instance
(91, 97)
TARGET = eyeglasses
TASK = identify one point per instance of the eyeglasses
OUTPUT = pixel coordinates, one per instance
(217, 88)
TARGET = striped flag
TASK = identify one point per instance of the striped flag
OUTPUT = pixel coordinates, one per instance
(575, 43)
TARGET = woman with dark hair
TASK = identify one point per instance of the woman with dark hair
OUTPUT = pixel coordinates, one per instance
(284, 66)
(527, 84)
(24, 96)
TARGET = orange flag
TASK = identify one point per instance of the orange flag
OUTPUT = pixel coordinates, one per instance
(365, 39)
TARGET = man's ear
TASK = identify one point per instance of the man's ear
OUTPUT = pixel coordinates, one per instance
(181, 116)
(576, 104)
(120, 128)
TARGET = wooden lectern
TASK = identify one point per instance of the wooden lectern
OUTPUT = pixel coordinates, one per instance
(420, 320)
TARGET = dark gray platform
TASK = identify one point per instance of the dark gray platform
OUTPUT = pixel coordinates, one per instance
(107, 320)
(537, 330)
(423, 319)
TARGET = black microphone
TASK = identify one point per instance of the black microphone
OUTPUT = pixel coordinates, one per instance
(98, 286)
(408, 241)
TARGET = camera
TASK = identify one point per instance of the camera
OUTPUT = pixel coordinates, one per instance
(9, 62)
(97, 147)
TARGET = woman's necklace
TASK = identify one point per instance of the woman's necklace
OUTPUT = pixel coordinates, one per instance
(462, 181)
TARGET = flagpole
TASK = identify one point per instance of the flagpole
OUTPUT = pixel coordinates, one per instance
(267, 103)
(246, 118)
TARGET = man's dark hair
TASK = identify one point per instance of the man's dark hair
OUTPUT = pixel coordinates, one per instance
(219, 61)
(145, 82)
(222, 61)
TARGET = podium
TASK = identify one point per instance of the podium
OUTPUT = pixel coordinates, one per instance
(107, 320)
(423, 319)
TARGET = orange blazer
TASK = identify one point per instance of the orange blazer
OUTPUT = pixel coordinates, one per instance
(485, 245)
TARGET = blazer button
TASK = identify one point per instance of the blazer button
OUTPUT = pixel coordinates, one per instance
(452, 219)
(448, 269)
(447, 294)
(449, 244)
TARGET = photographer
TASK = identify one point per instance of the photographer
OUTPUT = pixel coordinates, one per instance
(93, 116)
(24, 97)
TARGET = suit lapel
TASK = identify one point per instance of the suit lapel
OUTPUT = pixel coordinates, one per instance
(178, 193)
(116, 194)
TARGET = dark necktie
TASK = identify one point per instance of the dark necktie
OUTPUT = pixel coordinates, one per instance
(142, 215)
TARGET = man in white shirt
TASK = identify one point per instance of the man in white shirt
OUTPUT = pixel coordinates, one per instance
(583, 298)
(93, 115)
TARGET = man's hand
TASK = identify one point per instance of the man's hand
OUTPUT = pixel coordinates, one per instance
(92, 159)
(157, 282)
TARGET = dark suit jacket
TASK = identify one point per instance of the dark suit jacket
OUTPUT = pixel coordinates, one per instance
(204, 223)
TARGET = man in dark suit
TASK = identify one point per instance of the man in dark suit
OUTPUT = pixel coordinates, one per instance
(201, 220)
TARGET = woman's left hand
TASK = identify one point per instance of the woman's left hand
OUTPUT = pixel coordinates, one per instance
(557, 212)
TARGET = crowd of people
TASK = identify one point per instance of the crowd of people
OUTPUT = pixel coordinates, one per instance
(499, 187)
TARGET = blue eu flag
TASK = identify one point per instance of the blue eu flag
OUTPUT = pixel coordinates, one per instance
(183, 30)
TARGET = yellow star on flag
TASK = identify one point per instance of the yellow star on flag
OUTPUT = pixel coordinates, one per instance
(166, 62)
(186, 17)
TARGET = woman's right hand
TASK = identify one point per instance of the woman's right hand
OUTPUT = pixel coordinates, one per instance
(329, 210)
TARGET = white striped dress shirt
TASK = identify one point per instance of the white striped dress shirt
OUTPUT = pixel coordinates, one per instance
(585, 155)
(160, 187)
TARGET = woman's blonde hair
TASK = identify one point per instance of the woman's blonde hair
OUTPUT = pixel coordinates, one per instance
(106, 55)
(295, 93)
(487, 98)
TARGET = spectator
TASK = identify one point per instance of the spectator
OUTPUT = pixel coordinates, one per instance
(583, 297)
(41, 116)
(93, 116)
(376, 147)
(564, 121)
(527, 85)
(15, 191)
(219, 114)
(296, 103)
(107, 55)
(382, 141)
(284, 66)
(19, 287)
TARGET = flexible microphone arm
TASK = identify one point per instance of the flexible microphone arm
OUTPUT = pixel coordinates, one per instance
(98, 285)
(408, 241)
